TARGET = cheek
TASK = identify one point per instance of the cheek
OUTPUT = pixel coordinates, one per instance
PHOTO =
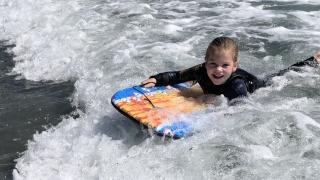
(210, 71)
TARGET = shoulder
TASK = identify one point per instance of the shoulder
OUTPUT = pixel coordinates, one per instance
(238, 82)
(246, 76)
(237, 88)
(240, 73)
(250, 80)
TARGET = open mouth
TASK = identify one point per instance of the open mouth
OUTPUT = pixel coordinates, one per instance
(217, 77)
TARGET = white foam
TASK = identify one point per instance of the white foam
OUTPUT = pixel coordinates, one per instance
(172, 29)
(304, 120)
(261, 152)
(106, 46)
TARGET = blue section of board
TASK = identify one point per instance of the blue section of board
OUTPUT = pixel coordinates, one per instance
(177, 130)
(128, 92)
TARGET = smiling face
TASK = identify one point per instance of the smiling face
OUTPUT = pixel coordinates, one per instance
(220, 65)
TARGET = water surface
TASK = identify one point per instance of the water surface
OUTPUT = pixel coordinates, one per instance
(104, 46)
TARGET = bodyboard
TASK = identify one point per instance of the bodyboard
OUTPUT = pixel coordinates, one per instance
(159, 107)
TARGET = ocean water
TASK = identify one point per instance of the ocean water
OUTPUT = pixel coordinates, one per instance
(87, 50)
(26, 107)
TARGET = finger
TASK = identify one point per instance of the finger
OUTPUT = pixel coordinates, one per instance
(151, 80)
(145, 82)
(149, 84)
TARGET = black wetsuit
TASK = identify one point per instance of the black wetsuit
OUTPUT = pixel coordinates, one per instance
(239, 84)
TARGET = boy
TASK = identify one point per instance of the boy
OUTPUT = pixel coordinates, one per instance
(219, 74)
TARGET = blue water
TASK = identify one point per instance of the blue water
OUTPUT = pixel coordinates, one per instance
(65, 59)
(26, 108)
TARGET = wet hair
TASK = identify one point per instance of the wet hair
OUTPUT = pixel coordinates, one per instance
(223, 44)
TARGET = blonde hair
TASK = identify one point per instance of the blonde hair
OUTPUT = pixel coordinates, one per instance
(223, 44)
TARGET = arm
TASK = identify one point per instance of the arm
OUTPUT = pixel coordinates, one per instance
(313, 61)
(173, 77)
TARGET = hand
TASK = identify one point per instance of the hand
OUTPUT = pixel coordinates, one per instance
(317, 56)
(151, 82)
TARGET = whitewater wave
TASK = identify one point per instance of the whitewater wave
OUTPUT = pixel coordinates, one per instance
(107, 45)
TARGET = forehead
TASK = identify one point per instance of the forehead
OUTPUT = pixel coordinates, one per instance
(221, 56)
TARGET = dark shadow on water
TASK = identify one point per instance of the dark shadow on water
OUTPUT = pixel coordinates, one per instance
(26, 107)
(119, 127)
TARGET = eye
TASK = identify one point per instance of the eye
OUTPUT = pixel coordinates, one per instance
(212, 65)
(225, 65)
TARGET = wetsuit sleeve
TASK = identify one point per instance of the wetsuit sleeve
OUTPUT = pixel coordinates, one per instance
(175, 77)
(295, 67)
(309, 62)
(237, 92)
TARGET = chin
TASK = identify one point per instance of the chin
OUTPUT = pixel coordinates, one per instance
(218, 82)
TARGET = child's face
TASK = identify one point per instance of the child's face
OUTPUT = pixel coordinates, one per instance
(220, 66)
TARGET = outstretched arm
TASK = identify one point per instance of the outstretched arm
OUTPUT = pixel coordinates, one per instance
(313, 61)
(173, 77)
(162, 79)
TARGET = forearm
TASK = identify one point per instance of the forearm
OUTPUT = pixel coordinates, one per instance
(175, 77)
(309, 62)
(167, 78)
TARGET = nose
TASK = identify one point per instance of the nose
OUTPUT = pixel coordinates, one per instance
(219, 68)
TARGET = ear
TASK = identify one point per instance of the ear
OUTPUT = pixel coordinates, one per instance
(235, 66)
(317, 57)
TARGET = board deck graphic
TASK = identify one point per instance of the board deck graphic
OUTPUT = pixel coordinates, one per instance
(160, 107)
